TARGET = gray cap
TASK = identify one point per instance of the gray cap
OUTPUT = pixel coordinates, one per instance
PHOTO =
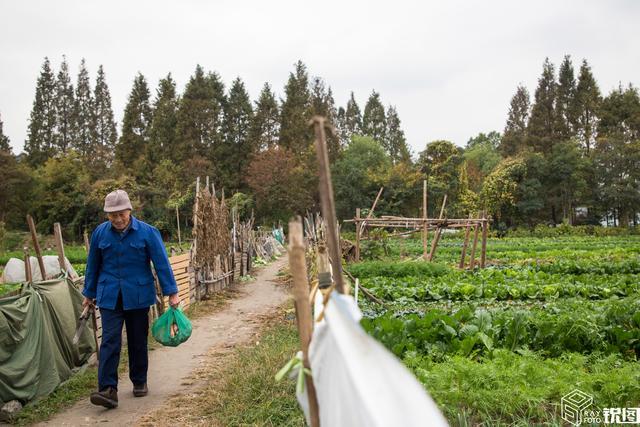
(117, 201)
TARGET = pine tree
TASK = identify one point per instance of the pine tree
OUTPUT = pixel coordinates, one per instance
(323, 104)
(396, 141)
(4, 140)
(266, 126)
(39, 144)
(295, 113)
(135, 124)
(199, 116)
(83, 114)
(588, 100)
(515, 132)
(64, 109)
(341, 127)
(565, 100)
(542, 127)
(353, 117)
(237, 148)
(374, 122)
(162, 131)
(105, 134)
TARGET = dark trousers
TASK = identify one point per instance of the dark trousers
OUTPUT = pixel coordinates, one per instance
(137, 322)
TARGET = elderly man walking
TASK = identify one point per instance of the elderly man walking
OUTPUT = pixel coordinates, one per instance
(118, 277)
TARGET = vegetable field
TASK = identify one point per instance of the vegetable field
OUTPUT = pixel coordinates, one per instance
(504, 344)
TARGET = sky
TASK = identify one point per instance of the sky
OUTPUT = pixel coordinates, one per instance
(449, 67)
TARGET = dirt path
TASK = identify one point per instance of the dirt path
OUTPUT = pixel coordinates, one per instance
(168, 367)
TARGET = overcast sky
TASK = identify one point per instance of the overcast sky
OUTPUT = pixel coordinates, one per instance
(449, 67)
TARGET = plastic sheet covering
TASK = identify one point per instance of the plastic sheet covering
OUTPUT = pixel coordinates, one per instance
(14, 271)
(36, 333)
(358, 381)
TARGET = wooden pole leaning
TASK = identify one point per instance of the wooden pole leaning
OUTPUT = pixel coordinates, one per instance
(298, 268)
(86, 241)
(36, 246)
(436, 237)
(57, 232)
(327, 202)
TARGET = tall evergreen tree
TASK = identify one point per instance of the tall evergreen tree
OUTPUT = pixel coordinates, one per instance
(266, 125)
(162, 130)
(135, 124)
(238, 148)
(396, 141)
(374, 121)
(323, 104)
(542, 128)
(4, 139)
(341, 127)
(515, 132)
(105, 134)
(566, 100)
(83, 114)
(39, 144)
(588, 101)
(295, 112)
(353, 117)
(64, 109)
(199, 116)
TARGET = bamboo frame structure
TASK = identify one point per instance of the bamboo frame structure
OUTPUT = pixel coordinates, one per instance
(423, 225)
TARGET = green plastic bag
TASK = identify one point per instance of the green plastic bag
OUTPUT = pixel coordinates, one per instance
(161, 328)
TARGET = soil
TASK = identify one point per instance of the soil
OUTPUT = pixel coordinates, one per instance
(171, 370)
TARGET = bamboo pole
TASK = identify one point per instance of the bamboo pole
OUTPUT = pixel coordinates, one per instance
(303, 309)
(425, 228)
(472, 262)
(27, 265)
(36, 246)
(95, 332)
(373, 207)
(57, 232)
(327, 203)
(464, 246)
(444, 202)
(357, 234)
(195, 240)
(485, 230)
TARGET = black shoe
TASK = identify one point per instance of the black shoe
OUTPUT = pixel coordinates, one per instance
(107, 398)
(140, 390)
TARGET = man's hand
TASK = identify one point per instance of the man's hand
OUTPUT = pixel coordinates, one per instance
(87, 301)
(174, 300)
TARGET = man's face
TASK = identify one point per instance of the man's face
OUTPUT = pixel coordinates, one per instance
(119, 220)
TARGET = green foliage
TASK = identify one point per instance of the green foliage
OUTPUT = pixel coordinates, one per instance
(135, 126)
(265, 126)
(374, 120)
(515, 132)
(368, 269)
(295, 111)
(39, 144)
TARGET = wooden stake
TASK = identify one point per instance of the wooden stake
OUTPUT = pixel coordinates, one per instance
(86, 241)
(27, 265)
(327, 203)
(298, 268)
(425, 228)
(485, 230)
(178, 222)
(57, 232)
(95, 332)
(444, 202)
(472, 262)
(464, 246)
(36, 246)
(357, 234)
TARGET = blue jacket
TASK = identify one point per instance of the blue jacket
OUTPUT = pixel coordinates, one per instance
(121, 264)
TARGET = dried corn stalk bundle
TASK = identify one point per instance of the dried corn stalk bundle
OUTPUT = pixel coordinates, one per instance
(213, 232)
